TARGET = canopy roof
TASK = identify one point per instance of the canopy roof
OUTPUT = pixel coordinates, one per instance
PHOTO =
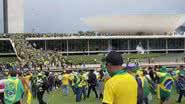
(135, 23)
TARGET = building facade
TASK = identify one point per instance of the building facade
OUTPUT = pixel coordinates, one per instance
(13, 11)
(103, 44)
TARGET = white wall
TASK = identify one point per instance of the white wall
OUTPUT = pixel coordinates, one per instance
(15, 16)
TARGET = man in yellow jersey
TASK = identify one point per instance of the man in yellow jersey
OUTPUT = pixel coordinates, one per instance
(122, 87)
(65, 83)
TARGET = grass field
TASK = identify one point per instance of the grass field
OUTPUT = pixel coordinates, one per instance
(9, 59)
(56, 97)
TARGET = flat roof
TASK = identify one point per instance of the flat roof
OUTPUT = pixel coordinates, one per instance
(109, 37)
(105, 37)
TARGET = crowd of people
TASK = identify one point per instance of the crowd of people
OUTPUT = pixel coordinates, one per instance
(87, 33)
(113, 83)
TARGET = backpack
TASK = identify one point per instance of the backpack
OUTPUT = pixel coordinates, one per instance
(10, 90)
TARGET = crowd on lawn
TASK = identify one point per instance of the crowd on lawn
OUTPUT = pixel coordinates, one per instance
(112, 83)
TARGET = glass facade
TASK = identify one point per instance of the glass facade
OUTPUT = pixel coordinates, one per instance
(134, 42)
(99, 45)
(59, 45)
(38, 44)
(120, 44)
(77, 45)
(6, 47)
(175, 44)
(157, 44)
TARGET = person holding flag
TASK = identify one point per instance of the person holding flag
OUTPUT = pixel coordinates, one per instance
(13, 91)
(165, 84)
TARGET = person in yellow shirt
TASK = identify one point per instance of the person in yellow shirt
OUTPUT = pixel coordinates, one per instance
(65, 83)
(81, 87)
(28, 91)
(122, 87)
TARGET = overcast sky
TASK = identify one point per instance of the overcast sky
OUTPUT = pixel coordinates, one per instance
(66, 15)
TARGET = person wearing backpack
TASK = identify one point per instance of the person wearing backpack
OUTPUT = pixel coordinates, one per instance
(41, 87)
(92, 82)
(14, 90)
(73, 79)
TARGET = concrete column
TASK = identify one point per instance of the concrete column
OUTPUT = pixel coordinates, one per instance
(128, 45)
(5, 15)
(88, 46)
(45, 45)
(67, 47)
(109, 45)
(166, 45)
(184, 45)
(148, 46)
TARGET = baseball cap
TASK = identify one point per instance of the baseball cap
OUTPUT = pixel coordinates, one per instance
(114, 58)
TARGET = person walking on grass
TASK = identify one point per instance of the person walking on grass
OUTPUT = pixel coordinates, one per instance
(92, 82)
(65, 83)
(81, 87)
(181, 87)
(41, 88)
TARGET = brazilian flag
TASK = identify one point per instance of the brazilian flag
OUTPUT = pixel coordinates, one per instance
(165, 85)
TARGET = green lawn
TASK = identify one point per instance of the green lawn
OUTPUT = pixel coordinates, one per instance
(56, 97)
(76, 59)
(9, 59)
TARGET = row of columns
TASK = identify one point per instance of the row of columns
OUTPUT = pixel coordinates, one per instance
(110, 46)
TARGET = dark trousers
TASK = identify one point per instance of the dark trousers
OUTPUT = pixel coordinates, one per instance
(101, 96)
(83, 92)
(93, 87)
(74, 89)
(33, 90)
(40, 97)
(18, 102)
(79, 92)
(145, 100)
(50, 86)
(1, 98)
(181, 94)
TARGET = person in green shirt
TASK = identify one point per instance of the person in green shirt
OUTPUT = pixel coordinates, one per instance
(13, 92)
